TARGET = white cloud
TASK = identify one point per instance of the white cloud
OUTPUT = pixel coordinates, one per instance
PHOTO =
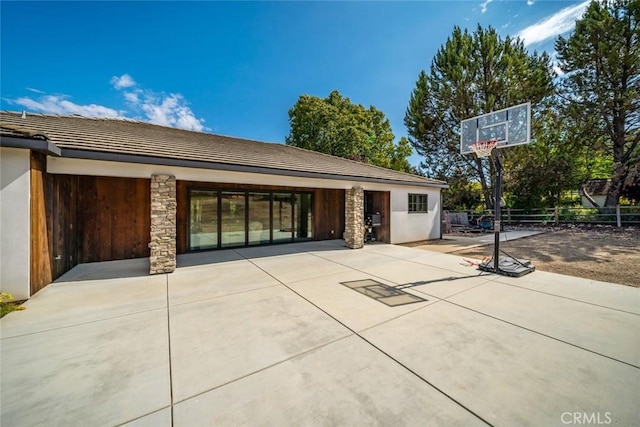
(60, 104)
(30, 89)
(530, 2)
(155, 107)
(484, 5)
(170, 110)
(132, 97)
(123, 81)
(554, 25)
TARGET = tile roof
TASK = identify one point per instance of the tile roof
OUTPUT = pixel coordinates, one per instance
(127, 137)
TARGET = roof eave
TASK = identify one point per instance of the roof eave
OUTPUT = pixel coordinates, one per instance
(167, 161)
(41, 145)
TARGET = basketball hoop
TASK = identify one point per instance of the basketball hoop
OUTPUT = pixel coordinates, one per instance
(483, 148)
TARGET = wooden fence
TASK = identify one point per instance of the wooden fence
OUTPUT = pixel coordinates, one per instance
(618, 216)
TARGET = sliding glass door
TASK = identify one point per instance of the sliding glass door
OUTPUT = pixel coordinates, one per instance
(282, 217)
(224, 219)
(203, 220)
(259, 218)
(233, 218)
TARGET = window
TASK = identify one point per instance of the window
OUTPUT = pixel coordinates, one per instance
(418, 203)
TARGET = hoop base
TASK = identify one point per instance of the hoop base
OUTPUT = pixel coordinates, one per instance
(508, 266)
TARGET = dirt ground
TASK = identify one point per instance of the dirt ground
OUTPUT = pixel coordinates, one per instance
(602, 253)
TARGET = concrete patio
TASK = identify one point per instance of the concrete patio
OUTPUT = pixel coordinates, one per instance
(271, 336)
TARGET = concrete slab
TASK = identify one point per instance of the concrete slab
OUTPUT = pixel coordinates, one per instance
(506, 374)
(291, 268)
(356, 259)
(610, 295)
(451, 262)
(609, 332)
(355, 310)
(409, 272)
(210, 281)
(271, 251)
(396, 251)
(127, 268)
(207, 258)
(161, 418)
(65, 304)
(245, 349)
(448, 286)
(430, 273)
(220, 340)
(105, 372)
(343, 383)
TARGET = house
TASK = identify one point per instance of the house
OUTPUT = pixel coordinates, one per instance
(594, 190)
(78, 190)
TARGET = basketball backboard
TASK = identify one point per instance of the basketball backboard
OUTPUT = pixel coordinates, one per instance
(511, 126)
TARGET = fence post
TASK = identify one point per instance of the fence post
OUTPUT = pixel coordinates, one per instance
(556, 215)
(618, 216)
(509, 216)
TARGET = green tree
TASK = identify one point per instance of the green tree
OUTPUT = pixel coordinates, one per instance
(601, 87)
(462, 194)
(336, 126)
(539, 174)
(471, 74)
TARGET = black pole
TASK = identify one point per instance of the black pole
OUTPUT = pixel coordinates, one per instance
(496, 208)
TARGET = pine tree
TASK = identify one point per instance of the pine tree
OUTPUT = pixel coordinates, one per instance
(601, 87)
(471, 74)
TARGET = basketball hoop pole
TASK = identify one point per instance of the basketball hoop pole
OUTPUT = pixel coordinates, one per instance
(496, 155)
(486, 135)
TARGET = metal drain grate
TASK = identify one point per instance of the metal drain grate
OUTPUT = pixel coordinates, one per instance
(384, 293)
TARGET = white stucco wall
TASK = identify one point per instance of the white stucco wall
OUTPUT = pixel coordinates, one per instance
(405, 227)
(411, 227)
(15, 222)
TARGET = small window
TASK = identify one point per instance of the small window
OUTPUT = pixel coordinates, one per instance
(418, 203)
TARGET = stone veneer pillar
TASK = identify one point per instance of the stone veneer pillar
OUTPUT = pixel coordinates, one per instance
(163, 224)
(354, 218)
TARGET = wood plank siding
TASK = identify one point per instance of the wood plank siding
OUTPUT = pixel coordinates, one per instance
(53, 224)
(114, 218)
(41, 245)
(78, 219)
(328, 208)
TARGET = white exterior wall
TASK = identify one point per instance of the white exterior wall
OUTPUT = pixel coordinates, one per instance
(405, 227)
(15, 237)
(411, 227)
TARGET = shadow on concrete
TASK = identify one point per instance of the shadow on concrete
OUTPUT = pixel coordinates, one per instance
(105, 270)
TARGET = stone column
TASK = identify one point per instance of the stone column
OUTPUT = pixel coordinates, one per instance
(163, 224)
(354, 218)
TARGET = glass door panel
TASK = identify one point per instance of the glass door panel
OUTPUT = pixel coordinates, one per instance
(303, 216)
(282, 217)
(259, 218)
(233, 219)
(203, 220)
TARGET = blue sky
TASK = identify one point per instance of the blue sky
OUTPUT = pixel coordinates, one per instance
(235, 68)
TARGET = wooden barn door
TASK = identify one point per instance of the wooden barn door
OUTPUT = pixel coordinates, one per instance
(64, 197)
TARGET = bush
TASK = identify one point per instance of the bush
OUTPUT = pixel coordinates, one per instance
(7, 306)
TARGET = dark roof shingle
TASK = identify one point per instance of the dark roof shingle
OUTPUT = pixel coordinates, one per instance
(120, 136)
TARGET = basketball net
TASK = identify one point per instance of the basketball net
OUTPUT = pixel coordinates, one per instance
(484, 148)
